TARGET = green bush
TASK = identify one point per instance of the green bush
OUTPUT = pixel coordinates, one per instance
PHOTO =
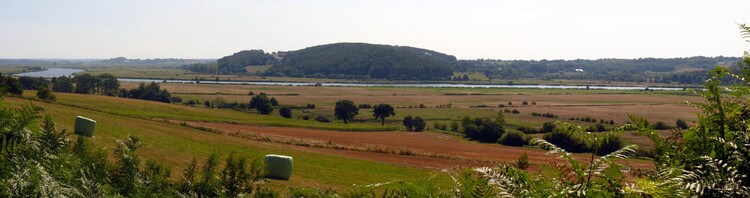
(419, 124)
(285, 112)
(523, 162)
(611, 144)
(513, 138)
(660, 126)
(567, 140)
(45, 94)
(681, 124)
(600, 127)
(408, 123)
(483, 129)
(321, 118)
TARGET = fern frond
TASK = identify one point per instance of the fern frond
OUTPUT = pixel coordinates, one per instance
(745, 31)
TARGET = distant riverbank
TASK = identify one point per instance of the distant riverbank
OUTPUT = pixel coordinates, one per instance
(57, 72)
(51, 72)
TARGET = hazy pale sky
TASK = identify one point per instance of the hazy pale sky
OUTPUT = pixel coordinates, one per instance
(467, 29)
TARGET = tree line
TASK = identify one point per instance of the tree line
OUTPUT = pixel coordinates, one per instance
(209, 68)
(663, 70)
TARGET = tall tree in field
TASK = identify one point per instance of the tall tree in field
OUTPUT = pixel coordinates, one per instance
(383, 111)
(262, 104)
(345, 110)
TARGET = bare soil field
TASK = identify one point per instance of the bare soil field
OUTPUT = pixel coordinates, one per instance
(469, 153)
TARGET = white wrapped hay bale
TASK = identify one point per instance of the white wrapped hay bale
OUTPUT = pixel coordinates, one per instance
(85, 126)
(279, 166)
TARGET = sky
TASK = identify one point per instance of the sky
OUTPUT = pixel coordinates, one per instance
(539, 29)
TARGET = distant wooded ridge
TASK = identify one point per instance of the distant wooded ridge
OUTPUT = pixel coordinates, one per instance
(374, 61)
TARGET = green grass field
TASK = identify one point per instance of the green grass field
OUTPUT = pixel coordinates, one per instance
(177, 145)
(157, 110)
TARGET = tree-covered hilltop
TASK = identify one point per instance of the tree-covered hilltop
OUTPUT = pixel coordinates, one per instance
(362, 60)
(237, 62)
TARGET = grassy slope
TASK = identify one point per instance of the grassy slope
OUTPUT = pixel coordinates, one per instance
(149, 109)
(177, 145)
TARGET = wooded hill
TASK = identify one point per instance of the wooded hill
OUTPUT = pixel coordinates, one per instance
(690, 70)
(237, 62)
(362, 60)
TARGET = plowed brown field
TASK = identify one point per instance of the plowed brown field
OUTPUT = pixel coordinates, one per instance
(467, 153)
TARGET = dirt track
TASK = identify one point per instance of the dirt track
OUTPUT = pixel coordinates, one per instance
(469, 153)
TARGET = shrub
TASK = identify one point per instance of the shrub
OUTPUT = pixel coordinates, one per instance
(483, 130)
(525, 103)
(321, 118)
(310, 106)
(523, 162)
(274, 102)
(548, 127)
(681, 124)
(600, 127)
(45, 94)
(285, 112)
(419, 124)
(250, 93)
(408, 123)
(440, 126)
(528, 130)
(515, 111)
(261, 103)
(513, 138)
(267, 193)
(365, 106)
(175, 99)
(298, 192)
(454, 126)
(660, 126)
(565, 139)
(611, 144)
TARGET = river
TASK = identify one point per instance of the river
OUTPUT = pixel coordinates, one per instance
(51, 72)
(56, 72)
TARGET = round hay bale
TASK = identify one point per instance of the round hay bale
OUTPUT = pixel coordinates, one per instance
(279, 166)
(85, 126)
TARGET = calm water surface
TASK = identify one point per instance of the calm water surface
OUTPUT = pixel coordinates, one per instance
(51, 72)
(56, 72)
